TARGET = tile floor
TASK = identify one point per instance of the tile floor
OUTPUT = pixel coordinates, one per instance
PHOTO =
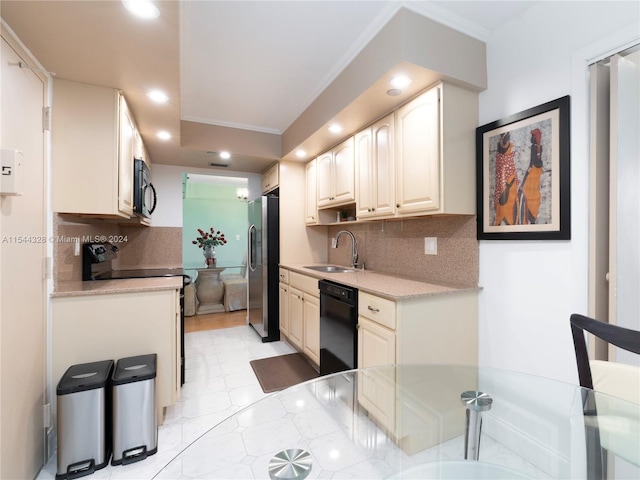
(219, 381)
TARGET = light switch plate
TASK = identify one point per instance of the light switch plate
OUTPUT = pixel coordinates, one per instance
(430, 245)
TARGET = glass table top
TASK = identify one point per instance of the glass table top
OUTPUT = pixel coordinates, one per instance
(416, 421)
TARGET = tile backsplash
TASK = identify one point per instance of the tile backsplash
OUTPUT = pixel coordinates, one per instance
(140, 247)
(397, 247)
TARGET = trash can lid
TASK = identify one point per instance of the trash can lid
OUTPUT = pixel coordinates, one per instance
(85, 376)
(135, 369)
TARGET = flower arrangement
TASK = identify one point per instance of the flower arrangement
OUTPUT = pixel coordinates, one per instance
(212, 238)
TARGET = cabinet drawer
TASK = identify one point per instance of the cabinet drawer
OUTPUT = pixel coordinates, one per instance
(283, 276)
(305, 283)
(380, 310)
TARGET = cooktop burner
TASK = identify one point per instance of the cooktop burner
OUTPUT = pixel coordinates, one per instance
(140, 273)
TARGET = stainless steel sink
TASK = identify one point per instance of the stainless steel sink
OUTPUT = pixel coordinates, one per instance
(329, 268)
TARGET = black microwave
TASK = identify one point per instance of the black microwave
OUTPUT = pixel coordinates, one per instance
(144, 193)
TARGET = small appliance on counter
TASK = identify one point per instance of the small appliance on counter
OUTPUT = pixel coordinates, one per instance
(96, 265)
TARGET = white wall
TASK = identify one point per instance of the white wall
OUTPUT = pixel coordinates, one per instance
(530, 288)
(168, 182)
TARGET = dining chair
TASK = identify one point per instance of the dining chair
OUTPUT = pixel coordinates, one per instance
(615, 432)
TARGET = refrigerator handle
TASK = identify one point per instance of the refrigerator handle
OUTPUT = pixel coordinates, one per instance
(251, 247)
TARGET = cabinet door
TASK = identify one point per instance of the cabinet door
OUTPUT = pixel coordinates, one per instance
(284, 309)
(376, 344)
(376, 389)
(344, 175)
(383, 179)
(312, 327)
(296, 317)
(125, 159)
(418, 154)
(365, 192)
(324, 172)
(311, 209)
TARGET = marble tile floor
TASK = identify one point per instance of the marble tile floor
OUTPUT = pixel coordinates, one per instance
(219, 381)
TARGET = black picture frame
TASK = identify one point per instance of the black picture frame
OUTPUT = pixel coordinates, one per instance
(523, 175)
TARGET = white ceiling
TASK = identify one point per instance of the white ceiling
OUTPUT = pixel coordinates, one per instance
(248, 65)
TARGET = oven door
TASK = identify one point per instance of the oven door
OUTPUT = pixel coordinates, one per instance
(144, 193)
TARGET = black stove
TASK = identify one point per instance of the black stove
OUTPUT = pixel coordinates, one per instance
(140, 273)
(96, 265)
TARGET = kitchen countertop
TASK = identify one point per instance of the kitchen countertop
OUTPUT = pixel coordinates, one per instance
(384, 285)
(127, 285)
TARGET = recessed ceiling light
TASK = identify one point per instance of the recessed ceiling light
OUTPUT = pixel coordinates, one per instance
(163, 135)
(157, 96)
(400, 81)
(335, 128)
(225, 155)
(301, 153)
(394, 92)
(142, 8)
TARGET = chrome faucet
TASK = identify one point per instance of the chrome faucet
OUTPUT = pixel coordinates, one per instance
(354, 246)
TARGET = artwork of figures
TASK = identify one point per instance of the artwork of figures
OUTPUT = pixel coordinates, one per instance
(523, 175)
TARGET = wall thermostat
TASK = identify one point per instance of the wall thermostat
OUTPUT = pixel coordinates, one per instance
(11, 175)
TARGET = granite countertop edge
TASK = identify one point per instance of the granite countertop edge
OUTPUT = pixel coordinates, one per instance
(393, 287)
(105, 287)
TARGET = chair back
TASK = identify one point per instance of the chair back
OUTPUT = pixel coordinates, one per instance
(608, 377)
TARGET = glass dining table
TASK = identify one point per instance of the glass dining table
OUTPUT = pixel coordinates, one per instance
(421, 421)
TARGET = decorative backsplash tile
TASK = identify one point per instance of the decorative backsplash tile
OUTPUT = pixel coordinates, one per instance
(140, 247)
(397, 247)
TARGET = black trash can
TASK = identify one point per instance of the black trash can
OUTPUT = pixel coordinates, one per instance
(135, 423)
(84, 419)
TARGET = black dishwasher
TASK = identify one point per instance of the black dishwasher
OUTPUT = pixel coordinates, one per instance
(338, 327)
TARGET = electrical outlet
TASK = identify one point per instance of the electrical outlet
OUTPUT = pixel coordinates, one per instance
(430, 245)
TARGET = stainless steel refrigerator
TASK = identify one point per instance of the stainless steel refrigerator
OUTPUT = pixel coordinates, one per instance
(263, 258)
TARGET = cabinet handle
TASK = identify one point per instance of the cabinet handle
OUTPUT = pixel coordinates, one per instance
(375, 310)
(397, 205)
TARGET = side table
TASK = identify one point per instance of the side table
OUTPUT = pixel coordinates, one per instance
(209, 290)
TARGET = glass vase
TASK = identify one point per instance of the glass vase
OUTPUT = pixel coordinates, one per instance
(209, 253)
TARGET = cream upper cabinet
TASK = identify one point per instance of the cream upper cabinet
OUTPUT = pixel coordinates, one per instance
(375, 158)
(336, 175)
(270, 179)
(129, 142)
(92, 151)
(311, 200)
(418, 154)
(435, 152)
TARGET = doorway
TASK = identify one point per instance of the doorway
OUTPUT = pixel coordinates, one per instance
(615, 205)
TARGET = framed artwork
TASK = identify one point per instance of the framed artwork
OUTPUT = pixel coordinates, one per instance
(523, 162)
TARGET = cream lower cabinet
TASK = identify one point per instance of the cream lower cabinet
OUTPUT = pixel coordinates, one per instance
(304, 315)
(285, 317)
(438, 329)
(284, 309)
(90, 328)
